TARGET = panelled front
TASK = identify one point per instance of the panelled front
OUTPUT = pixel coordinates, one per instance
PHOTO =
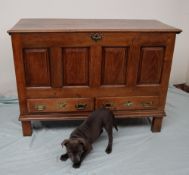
(75, 60)
(116, 61)
(116, 69)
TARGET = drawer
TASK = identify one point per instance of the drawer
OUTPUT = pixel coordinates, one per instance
(60, 105)
(127, 103)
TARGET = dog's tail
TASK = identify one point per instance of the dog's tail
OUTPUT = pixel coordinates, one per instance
(114, 122)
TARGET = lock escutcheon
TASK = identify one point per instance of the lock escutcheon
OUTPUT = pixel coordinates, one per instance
(96, 36)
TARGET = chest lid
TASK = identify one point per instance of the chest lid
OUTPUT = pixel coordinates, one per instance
(89, 25)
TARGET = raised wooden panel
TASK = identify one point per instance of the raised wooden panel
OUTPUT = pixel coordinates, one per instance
(75, 66)
(151, 65)
(114, 63)
(36, 62)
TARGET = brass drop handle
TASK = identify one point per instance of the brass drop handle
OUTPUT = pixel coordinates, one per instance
(80, 106)
(108, 105)
(147, 104)
(62, 105)
(40, 107)
(96, 36)
(128, 103)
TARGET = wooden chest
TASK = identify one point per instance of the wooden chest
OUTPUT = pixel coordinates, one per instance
(66, 68)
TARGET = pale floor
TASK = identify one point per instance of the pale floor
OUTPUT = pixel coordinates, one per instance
(136, 151)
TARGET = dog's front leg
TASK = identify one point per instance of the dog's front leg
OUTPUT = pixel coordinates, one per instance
(64, 157)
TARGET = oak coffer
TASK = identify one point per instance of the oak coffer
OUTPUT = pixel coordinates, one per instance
(66, 68)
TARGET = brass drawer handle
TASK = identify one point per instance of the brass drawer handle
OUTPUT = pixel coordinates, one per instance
(62, 105)
(40, 107)
(147, 104)
(80, 106)
(128, 103)
(96, 36)
(108, 105)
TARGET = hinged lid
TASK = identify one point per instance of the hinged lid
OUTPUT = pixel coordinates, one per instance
(88, 25)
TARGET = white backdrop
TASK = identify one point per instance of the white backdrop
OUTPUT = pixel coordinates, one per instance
(172, 12)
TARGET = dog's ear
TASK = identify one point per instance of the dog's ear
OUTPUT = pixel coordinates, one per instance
(65, 142)
(87, 146)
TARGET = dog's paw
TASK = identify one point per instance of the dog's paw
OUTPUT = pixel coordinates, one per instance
(108, 150)
(76, 165)
(64, 157)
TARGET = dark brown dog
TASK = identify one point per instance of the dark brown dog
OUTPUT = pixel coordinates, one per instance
(80, 142)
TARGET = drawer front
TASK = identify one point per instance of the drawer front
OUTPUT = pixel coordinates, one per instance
(128, 103)
(60, 105)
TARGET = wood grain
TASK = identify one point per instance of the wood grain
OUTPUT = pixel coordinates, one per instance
(151, 65)
(56, 64)
(37, 70)
(76, 66)
(156, 124)
(114, 66)
(72, 25)
(26, 128)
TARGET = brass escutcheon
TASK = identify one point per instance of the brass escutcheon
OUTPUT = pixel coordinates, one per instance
(109, 105)
(40, 107)
(80, 106)
(128, 103)
(147, 104)
(96, 36)
(62, 105)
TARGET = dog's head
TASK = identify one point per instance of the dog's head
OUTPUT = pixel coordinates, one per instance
(75, 148)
